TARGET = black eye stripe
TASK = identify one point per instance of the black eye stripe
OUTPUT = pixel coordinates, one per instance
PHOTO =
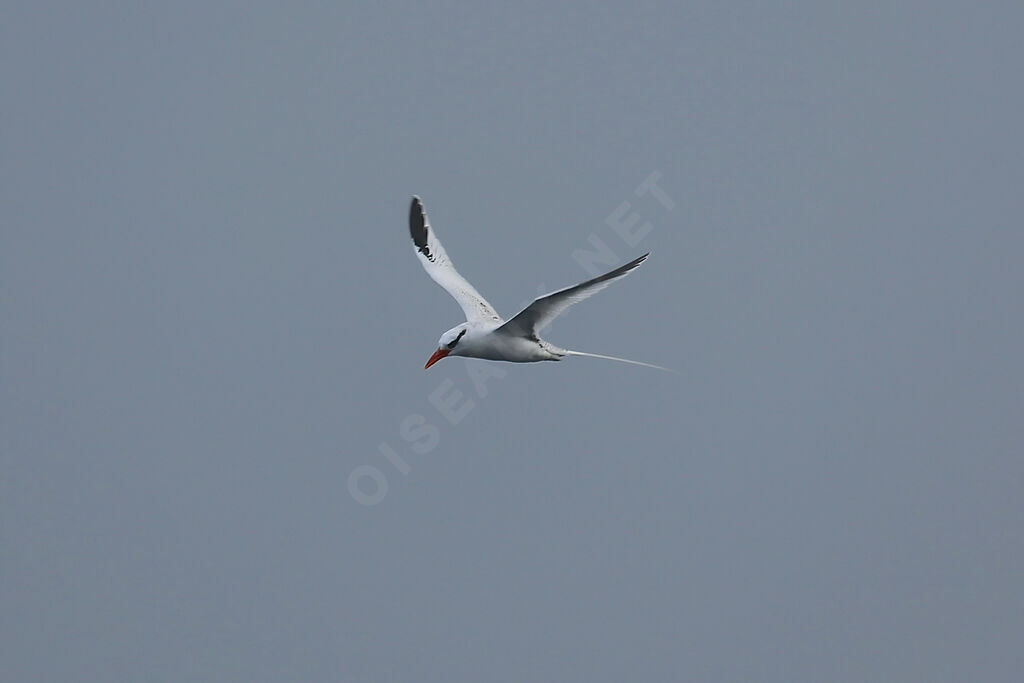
(456, 340)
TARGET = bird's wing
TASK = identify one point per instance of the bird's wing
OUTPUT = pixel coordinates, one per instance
(441, 269)
(544, 309)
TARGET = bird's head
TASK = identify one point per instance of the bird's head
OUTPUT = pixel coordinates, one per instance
(448, 344)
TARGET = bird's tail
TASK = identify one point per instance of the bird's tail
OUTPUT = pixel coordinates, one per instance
(621, 360)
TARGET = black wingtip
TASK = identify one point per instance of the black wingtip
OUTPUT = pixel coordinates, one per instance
(637, 261)
(418, 227)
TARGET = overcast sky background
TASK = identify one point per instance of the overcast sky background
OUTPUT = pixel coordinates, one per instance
(212, 316)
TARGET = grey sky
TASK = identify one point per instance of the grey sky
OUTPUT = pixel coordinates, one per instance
(212, 315)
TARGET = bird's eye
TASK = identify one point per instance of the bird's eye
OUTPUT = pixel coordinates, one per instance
(456, 340)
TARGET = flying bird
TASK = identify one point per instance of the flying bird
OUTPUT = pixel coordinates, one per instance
(485, 334)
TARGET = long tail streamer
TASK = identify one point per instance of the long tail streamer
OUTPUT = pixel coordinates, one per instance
(621, 360)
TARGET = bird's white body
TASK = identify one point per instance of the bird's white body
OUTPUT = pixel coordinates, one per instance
(488, 342)
(487, 335)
